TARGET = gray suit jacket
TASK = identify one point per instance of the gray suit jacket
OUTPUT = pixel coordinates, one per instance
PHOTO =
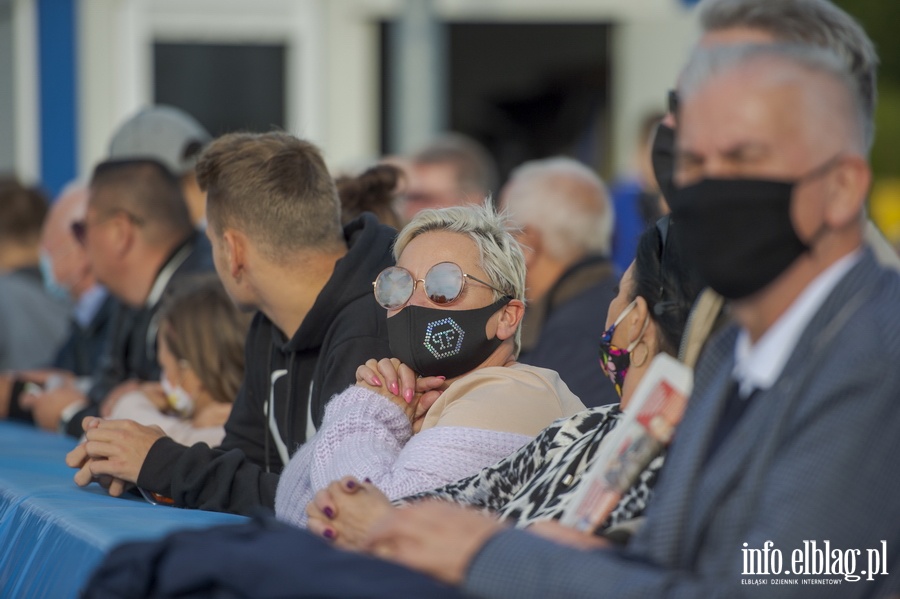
(814, 458)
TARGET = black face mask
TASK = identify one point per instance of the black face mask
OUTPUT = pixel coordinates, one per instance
(739, 231)
(662, 156)
(446, 343)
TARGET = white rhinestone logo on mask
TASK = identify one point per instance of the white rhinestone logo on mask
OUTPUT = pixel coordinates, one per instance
(443, 338)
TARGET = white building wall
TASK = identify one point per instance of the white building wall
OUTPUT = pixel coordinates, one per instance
(333, 61)
(7, 97)
(26, 92)
(648, 54)
(352, 81)
(112, 72)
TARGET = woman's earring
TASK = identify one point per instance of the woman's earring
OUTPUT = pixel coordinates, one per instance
(634, 360)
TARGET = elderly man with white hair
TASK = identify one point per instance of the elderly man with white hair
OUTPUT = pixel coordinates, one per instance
(566, 222)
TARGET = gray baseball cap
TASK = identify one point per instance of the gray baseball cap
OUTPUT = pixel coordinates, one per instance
(163, 134)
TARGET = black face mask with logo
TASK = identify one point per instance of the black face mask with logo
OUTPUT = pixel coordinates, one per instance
(445, 343)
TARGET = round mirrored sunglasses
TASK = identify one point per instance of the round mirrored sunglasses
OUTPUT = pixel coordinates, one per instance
(444, 283)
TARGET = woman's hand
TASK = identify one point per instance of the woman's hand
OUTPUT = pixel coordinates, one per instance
(434, 537)
(107, 405)
(345, 511)
(49, 378)
(154, 392)
(397, 382)
(565, 535)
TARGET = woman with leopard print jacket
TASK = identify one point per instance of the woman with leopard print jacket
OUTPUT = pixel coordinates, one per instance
(647, 316)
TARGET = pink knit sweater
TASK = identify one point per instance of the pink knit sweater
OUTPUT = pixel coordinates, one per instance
(365, 435)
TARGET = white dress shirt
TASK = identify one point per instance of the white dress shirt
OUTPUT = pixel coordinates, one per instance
(757, 366)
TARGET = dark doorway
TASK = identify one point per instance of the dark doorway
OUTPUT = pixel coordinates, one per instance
(525, 90)
(227, 87)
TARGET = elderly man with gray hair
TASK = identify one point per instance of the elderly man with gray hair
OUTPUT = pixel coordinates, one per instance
(786, 452)
(566, 218)
(818, 23)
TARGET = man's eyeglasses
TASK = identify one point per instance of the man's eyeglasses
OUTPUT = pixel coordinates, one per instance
(79, 228)
(672, 101)
(444, 283)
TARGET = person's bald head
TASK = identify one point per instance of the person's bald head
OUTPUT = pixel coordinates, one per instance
(69, 263)
(68, 208)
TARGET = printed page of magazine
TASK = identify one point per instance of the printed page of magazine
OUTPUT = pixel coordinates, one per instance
(646, 427)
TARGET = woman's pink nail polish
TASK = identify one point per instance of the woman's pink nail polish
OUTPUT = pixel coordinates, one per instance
(395, 389)
(408, 395)
(376, 381)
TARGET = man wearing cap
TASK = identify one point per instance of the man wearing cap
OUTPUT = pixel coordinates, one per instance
(173, 138)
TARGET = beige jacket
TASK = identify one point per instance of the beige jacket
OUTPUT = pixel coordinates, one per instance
(519, 399)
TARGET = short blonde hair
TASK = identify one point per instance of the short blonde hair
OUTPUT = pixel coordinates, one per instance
(499, 253)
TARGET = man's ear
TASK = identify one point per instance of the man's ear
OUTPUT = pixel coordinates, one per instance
(510, 319)
(234, 244)
(850, 186)
(124, 234)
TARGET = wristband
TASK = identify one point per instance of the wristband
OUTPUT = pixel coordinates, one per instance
(67, 415)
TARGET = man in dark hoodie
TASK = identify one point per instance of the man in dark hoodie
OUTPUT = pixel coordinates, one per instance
(278, 246)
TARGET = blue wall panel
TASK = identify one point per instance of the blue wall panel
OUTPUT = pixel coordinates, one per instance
(58, 93)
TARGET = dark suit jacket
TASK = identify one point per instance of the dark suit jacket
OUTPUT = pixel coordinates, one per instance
(83, 349)
(814, 458)
(570, 322)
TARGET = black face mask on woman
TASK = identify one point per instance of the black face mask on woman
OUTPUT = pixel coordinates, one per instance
(446, 343)
(739, 231)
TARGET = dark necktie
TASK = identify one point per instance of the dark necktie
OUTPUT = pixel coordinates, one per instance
(735, 407)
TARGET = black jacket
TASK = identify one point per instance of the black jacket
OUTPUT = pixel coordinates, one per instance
(84, 347)
(344, 328)
(131, 349)
(571, 325)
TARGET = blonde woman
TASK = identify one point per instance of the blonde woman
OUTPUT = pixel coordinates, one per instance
(454, 399)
